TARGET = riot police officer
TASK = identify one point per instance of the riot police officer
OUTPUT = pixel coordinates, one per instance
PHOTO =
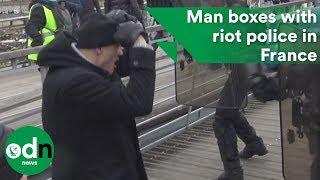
(231, 122)
(297, 89)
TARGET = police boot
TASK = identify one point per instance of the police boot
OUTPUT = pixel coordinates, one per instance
(227, 142)
(254, 144)
(234, 175)
(254, 148)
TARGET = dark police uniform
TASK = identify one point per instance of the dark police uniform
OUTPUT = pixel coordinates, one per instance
(230, 123)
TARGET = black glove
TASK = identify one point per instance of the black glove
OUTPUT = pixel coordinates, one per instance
(265, 89)
(298, 77)
(128, 33)
(37, 41)
(121, 16)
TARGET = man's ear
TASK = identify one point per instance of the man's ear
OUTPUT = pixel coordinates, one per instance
(98, 51)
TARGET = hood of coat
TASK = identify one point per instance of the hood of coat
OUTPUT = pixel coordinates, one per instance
(60, 53)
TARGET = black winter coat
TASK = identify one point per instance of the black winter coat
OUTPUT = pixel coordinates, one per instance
(90, 114)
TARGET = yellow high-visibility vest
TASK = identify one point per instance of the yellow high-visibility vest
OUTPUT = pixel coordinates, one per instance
(47, 32)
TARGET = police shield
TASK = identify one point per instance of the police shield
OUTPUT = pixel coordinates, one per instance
(211, 85)
(300, 121)
(300, 114)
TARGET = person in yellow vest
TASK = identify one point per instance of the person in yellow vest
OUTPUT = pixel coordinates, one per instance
(46, 18)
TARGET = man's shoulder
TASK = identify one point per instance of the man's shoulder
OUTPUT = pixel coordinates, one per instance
(63, 80)
(73, 73)
(76, 84)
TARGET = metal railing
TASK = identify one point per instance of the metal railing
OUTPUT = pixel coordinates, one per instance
(20, 18)
(11, 56)
(24, 52)
(5, 56)
(13, 22)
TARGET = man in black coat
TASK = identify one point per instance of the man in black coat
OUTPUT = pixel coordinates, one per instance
(87, 110)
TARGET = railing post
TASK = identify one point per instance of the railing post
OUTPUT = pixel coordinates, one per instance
(14, 63)
(188, 117)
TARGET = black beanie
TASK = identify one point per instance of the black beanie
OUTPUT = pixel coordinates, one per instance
(96, 31)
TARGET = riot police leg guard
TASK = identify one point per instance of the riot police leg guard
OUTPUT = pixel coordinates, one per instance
(254, 144)
(227, 142)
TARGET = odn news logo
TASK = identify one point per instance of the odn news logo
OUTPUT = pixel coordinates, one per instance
(29, 150)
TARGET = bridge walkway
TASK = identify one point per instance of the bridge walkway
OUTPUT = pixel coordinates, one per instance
(194, 154)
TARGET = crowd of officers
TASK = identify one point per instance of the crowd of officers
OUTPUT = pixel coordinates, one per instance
(89, 112)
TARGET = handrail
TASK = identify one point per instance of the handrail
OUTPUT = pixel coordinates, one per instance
(22, 18)
(5, 56)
